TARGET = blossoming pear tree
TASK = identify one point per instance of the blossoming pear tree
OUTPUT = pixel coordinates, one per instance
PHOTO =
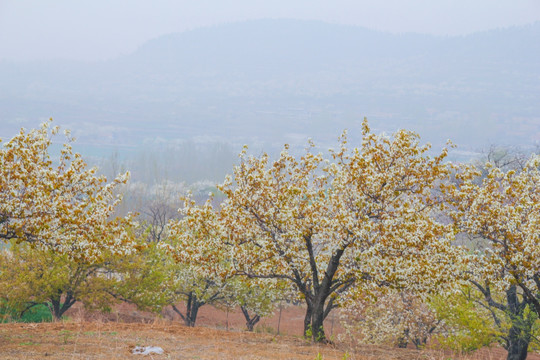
(202, 269)
(502, 210)
(358, 219)
(206, 270)
(257, 298)
(62, 204)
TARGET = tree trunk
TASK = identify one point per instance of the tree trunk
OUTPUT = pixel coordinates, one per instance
(54, 307)
(317, 323)
(307, 321)
(58, 308)
(317, 295)
(517, 344)
(192, 308)
(317, 311)
(192, 313)
(403, 340)
(520, 333)
(250, 321)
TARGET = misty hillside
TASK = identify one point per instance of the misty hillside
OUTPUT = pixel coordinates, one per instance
(267, 82)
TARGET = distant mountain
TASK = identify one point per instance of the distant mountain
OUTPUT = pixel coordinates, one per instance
(267, 82)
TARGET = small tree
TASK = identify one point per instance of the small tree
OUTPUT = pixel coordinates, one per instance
(257, 298)
(202, 268)
(31, 276)
(197, 290)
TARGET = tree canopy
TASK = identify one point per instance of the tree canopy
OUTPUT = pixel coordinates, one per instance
(59, 204)
(361, 217)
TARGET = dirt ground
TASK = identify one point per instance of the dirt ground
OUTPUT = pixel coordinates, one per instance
(289, 322)
(83, 340)
(218, 335)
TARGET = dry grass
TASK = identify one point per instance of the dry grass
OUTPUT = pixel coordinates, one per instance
(112, 340)
(97, 340)
(113, 336)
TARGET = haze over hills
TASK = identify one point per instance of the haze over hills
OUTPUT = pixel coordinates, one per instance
(267, 82)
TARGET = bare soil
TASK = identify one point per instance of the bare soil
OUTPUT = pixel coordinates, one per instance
(218, 335)
(96, 340)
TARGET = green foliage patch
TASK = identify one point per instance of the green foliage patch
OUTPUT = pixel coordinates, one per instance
(36, 314)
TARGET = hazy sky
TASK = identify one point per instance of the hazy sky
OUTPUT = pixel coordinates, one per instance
(101, 29)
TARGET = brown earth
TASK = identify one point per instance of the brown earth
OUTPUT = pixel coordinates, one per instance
(112, 336)
(289, 322)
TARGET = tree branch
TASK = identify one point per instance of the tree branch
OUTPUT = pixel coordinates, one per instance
(487, 295)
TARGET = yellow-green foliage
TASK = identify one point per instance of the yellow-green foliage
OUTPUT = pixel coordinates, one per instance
(533, 319)
(468, 326)
(144, 278)
(528, 324)
(30, 275)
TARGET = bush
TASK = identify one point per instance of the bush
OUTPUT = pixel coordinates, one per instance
(397, 318)
(468, 326)
(36, 314)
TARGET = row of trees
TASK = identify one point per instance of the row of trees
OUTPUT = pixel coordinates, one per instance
(62, 243)
(335, 229)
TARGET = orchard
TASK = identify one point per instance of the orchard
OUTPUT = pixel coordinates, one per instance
(384, 230)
